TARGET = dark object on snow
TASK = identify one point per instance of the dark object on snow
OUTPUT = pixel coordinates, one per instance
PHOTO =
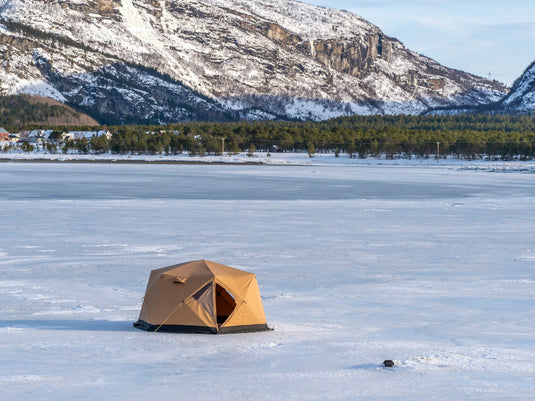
(388, 363)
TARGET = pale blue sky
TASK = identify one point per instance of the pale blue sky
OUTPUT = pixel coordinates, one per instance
(478, 36)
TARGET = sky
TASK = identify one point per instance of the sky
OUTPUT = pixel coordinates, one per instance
(489, 38)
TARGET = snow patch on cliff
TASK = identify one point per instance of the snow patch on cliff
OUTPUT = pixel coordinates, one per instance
(39, 87)
(136, 24)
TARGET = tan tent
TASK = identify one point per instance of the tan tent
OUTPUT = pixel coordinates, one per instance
(202, 297)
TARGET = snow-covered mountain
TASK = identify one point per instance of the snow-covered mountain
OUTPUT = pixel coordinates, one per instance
(160, 60)
(521, 98)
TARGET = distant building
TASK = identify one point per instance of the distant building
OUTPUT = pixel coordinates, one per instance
(23, 136)
(5, 139)
(39, 136)
(78, 135)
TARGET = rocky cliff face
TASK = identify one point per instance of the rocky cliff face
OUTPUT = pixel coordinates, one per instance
(159, 60)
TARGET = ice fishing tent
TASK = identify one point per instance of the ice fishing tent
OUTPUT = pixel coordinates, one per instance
(202, 297)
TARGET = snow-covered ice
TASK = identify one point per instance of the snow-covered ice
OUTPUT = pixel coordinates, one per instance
(432, 266)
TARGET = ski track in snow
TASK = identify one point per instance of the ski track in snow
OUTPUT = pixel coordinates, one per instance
(428, 265)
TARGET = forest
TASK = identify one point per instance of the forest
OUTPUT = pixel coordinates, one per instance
(466, 136)
(25, 111)
(463, 136)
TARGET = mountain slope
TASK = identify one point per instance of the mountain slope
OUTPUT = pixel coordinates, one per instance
(521, 98)
(159, 60)
(24, 110)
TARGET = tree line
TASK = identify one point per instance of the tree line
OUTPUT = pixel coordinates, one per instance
(465, 136)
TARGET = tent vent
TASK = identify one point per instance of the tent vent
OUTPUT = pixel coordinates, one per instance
(175, 279)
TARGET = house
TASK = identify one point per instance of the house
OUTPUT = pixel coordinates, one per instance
(32, 137)
(23, 136)
(78, 135)
(39, 136)
(4, 138)
(7, 139)
(46, 134)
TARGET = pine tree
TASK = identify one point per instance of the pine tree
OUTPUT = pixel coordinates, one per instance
(252, 150)
(311, 149)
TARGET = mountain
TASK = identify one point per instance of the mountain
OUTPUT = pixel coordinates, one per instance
(521, 98)
(134, 61)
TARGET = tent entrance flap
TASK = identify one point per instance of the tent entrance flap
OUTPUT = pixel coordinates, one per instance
(204, 298)
(225, 304)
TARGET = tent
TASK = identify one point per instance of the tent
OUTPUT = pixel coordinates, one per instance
(202, 297)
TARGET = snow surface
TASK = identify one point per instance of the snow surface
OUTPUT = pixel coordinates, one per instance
(430, 265)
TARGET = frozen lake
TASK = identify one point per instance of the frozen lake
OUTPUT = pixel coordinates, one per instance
(431, 266)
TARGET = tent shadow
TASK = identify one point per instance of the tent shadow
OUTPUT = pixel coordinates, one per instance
(68, 325)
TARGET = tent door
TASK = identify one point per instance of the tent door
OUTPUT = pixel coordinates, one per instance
(225, 304)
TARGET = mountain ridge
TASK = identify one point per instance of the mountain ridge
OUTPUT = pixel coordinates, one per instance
(521, 97)
(221, 60)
